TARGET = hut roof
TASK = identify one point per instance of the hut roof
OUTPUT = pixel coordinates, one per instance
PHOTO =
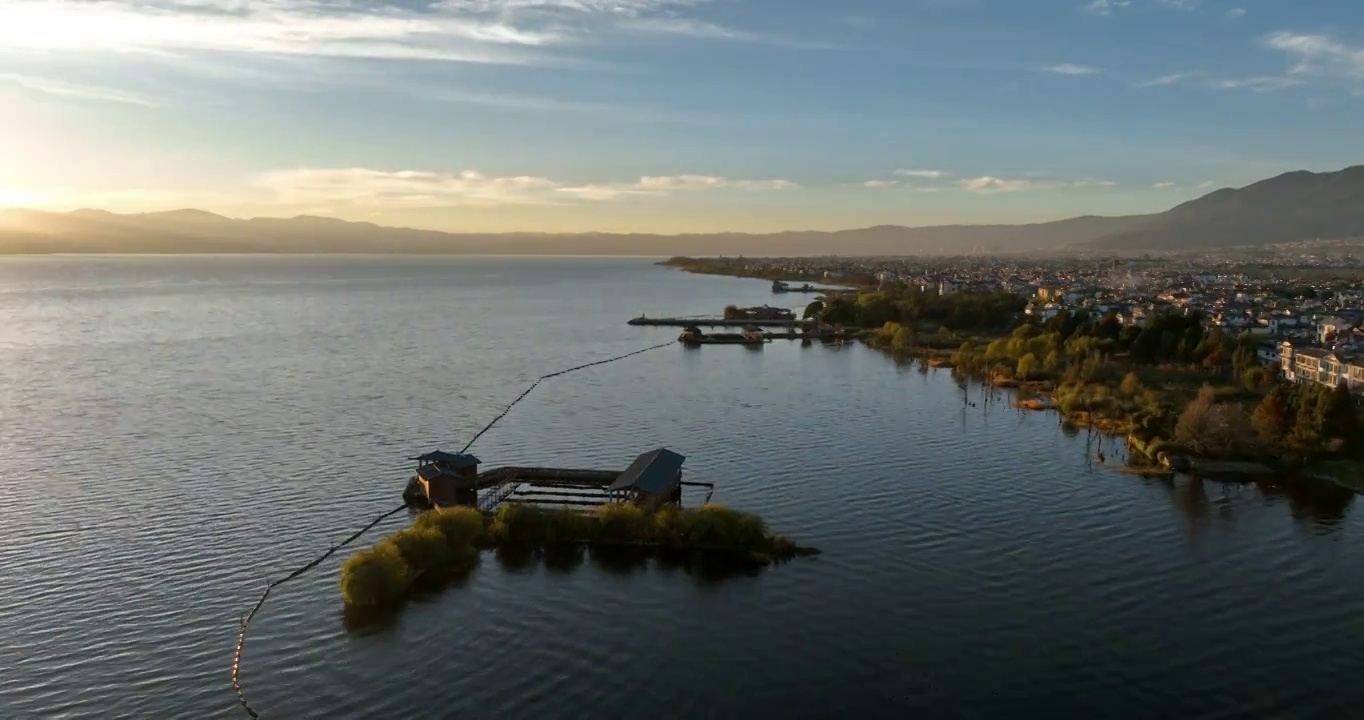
(454, 461)
(652, 472)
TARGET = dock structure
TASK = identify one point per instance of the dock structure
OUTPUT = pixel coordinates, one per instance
(450, 480)
(713, 322)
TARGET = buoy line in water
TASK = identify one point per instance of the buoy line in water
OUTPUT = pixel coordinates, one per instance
(250, 615)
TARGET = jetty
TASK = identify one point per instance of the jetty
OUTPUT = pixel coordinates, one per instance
(779, 286)
(444, 480)
(714, 322)
(755, 336)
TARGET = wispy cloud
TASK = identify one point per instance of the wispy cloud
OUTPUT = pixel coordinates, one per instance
(667, 184)
(75, 91)
(1162, 186)
(1259, 84)
(1170, 79)
(922, 173)
(1185, 5)
(1319, 54)
(985, 184)
(1105, 7)
(476, 31)
(1234, 14)
(1071, 69)
(420, 188)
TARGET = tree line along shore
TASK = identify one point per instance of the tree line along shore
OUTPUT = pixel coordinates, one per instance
(1177, 386)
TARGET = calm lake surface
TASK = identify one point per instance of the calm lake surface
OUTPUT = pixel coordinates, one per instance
(174, 431)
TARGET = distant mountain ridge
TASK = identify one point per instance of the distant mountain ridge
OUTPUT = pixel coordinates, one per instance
(1293, 206)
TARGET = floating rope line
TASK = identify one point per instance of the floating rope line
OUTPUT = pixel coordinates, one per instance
(543, 378)
(251, 615)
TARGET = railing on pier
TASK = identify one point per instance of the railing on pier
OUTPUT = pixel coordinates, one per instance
(489, 502)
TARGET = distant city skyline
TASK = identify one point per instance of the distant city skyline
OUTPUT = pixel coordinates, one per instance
(669, 115)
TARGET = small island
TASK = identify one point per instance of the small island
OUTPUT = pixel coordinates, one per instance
(446, 542)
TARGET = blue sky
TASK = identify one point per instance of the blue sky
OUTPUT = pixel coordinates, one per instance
(670, 115)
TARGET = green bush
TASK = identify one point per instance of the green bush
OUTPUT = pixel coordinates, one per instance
(374, 576)
(619, 522)
(461, 526)
(716, 526)
(519, 524)
(421, 547)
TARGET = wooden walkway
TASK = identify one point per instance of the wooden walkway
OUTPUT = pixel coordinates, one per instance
(712, 322)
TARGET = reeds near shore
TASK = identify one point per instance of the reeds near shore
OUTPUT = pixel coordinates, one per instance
(440, 540)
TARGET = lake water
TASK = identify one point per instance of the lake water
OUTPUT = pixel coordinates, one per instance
(174, 431)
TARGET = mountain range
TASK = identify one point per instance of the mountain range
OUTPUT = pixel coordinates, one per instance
(1293, 206)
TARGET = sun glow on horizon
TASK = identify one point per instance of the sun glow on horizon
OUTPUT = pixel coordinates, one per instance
(12, 198)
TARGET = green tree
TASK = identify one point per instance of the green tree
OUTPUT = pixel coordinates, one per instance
(1131, 385)
(903, 339)
(1026, 366)
(1307, 419)
(1338, 416)
(813, 310)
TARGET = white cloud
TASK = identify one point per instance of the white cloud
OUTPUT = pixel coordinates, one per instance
(1319, 54)
(1162, 186)
(324, 187)
(1071, 69)
(1105, 7)
(1205, 185)
(76, 91)
(1235, 14)
(480, 31)
(1185, 5)
(666, 184)
(994, 184)
(990, 184)
(922, 173)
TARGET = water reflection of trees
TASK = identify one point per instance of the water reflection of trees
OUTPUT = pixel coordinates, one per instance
(1322, 504)
(705, 568)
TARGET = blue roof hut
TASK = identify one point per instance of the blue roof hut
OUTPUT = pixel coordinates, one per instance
(655, 477)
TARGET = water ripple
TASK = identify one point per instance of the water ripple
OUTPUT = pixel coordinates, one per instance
(177, 431)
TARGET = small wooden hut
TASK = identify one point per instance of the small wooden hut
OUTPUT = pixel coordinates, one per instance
(448, 478)
(654, 478)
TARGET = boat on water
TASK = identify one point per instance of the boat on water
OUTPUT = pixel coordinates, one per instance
(751, 335)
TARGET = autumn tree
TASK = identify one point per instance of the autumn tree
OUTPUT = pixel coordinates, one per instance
(1131, 385)
(1273, 418)
(1211, 428)
(1026, 366)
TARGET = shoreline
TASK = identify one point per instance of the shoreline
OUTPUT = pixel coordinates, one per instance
(1092, 380)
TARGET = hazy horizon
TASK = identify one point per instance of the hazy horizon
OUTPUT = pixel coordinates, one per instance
(668, 116)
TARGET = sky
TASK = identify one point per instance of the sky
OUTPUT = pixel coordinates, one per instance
(670, 115)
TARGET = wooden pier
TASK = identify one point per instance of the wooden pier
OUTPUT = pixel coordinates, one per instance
(713, 322)
(446, 480)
